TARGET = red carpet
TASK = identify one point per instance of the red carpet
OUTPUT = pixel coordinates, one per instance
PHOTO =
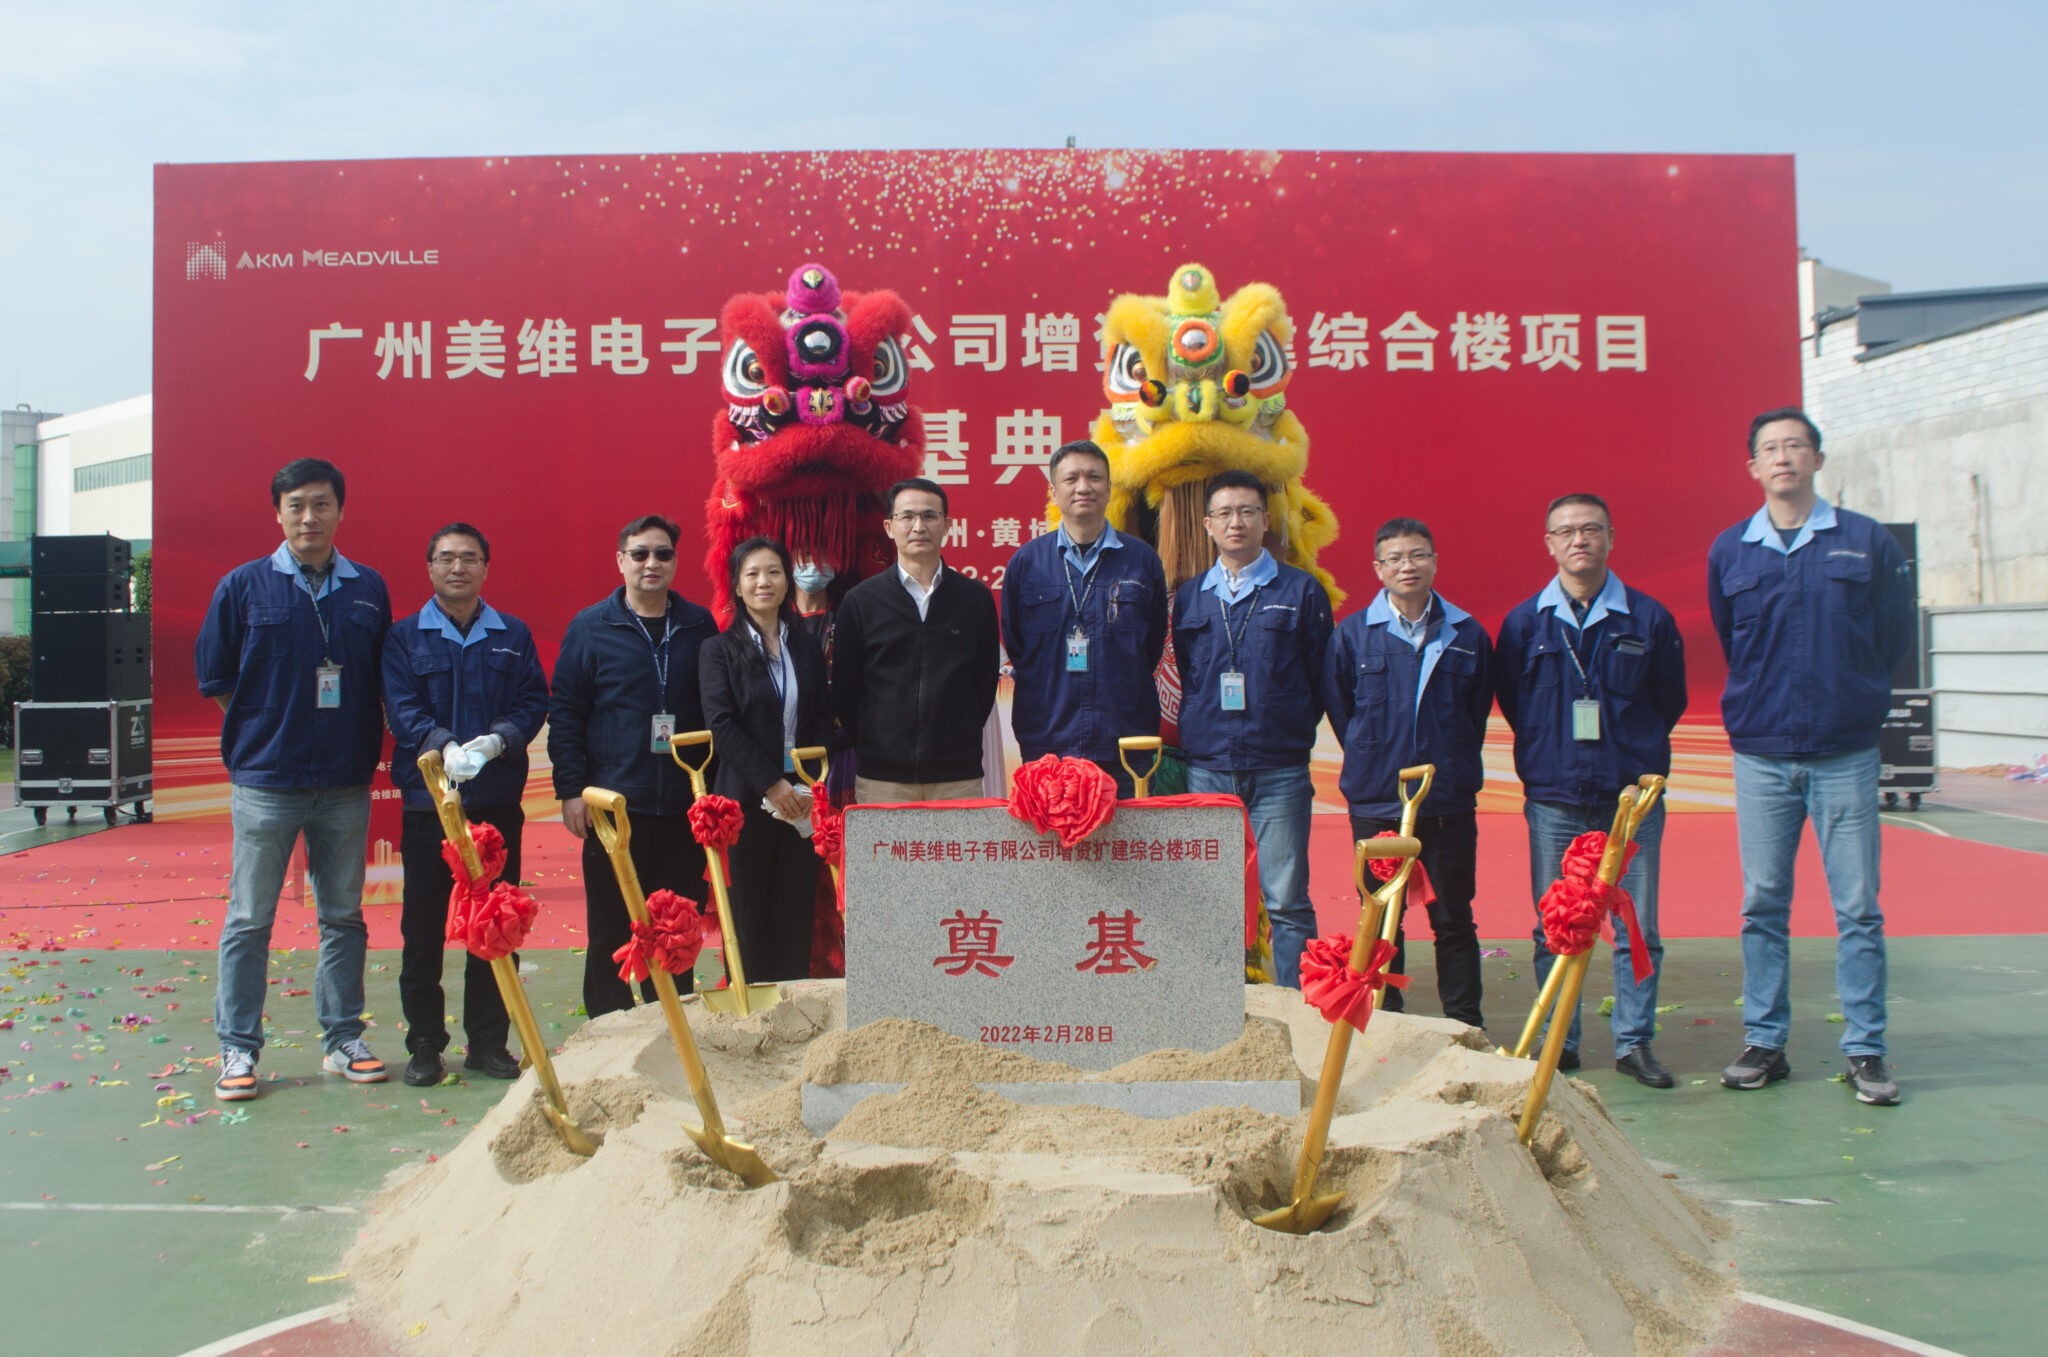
(161, 885)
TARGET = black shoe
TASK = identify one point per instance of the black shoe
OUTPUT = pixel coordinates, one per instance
(1872, 1081)
(498, 1064)
(1567, 1060)
(1755, 1067)
(425, 1069)
(1644, 1068)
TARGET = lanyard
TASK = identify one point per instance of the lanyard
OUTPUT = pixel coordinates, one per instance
(780, 670)
(1243, 627)
(1088, 586)
(326, 640)
(1564, 634)
(660, 656)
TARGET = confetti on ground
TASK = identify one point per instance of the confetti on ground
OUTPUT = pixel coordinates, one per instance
(1836, 1017)
(326, 1277)
(160, 1165)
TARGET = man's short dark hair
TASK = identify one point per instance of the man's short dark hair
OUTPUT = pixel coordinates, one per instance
(1402, 527)
(1237, 478)
(1756, 426)
(1581, 497)
(460, 530)
(917, 483)
(648, 523)
(1080, 447)
(304, 471)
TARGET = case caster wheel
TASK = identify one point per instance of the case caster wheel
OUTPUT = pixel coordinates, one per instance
(42, 815)
(113, 814)
(71, 812)
(1913, 800)
(1891, 800)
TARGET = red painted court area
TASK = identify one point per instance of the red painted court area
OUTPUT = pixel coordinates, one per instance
(163, 885)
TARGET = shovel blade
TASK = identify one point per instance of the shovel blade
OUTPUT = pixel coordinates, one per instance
(1302, 1215)
(728, 1000)
(729, 1154)
(573, 1136)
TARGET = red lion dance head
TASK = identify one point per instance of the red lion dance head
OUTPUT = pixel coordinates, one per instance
(815, 429)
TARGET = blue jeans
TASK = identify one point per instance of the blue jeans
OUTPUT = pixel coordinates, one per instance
(268, 821)
(1773, 798)
(1278, 801)
(1552, 827)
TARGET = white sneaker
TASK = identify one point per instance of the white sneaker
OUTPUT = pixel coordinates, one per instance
(353, 1061)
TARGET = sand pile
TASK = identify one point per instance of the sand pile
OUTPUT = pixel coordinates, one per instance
(944, 1219)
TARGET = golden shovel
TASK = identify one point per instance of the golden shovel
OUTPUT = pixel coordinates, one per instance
(737, 996)
(454, 824)
(1141, 783)
(816, 753)
(1307, 1211)
(1422, 774)
(614, 831)
(1561, 991)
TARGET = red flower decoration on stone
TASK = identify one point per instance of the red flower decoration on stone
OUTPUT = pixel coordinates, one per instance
(1332, 988)
(716, 821)
(491, 924)
(1070, 798)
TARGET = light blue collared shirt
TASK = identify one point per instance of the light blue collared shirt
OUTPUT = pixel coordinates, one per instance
(1612, 598)
(486, 620)
(338, 569)
(1109, 541)
(1263, 571)
(1381, 612)
(1761, 529)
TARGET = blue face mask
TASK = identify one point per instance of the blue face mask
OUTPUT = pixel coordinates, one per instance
(811, 578)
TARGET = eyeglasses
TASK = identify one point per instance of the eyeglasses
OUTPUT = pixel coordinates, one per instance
(448, 559)
(924, 516)
(662, 554)
(1408, 558)
(1584, 532)
(1240, 513)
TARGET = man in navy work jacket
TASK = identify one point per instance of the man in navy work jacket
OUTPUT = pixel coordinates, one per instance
(290, 649)
(626, 680)
(1251, 637)
(463, 678)
(915, 663)
(1084, 621)
(1813, 611)
(1592, 679)
(1410, 680)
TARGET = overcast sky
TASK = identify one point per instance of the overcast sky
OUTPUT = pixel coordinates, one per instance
(1918, 129)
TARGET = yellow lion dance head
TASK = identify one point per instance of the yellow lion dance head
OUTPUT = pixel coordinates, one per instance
(1197, 385)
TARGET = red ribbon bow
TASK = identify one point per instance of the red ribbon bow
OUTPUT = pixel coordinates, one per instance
(1420, 892)
(490, 852)
(1339, 993)
(828, 829)
(491, 923)
(671, 938)
(1070, 798)
(1578, 902)
(716, 821)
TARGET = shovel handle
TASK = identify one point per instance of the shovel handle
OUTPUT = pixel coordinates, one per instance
(1423, 774)
(1126, 745)
(810, 753)
(1650, 789)
(687, 739)
(448, 806)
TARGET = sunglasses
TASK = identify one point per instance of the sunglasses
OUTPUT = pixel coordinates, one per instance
(662, 554)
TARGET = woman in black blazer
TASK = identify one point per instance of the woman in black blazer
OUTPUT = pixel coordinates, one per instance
(763, 685)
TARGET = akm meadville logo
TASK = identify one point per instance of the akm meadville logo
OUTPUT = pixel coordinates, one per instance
(206, 259)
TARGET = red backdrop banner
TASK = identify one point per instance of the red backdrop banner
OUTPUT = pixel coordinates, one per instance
(530, 344)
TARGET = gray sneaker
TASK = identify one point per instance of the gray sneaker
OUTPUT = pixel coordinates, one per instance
(1755, 1067)
(353, 1061)
(1872, 1081)
(237, 1081)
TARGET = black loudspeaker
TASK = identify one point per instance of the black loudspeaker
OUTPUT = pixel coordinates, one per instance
(78, 593)
(89, 657)
(103, 554)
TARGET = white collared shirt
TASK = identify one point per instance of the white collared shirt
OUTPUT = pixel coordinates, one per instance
(918, 593)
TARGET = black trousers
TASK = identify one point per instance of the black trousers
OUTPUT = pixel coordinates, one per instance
(665, 856)
(774, 898)
(1450, 854)
(423, 929)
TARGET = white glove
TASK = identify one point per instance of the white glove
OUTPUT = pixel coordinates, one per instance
(486, 748)
(460, 763)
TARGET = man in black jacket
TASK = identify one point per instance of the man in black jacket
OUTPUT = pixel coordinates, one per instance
(625, 681)
(914, 662)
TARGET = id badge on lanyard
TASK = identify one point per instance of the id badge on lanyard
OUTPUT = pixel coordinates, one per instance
(1077, 652)
(1232, 691)
(1586, 719)
(664, 725)
(327, 687)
